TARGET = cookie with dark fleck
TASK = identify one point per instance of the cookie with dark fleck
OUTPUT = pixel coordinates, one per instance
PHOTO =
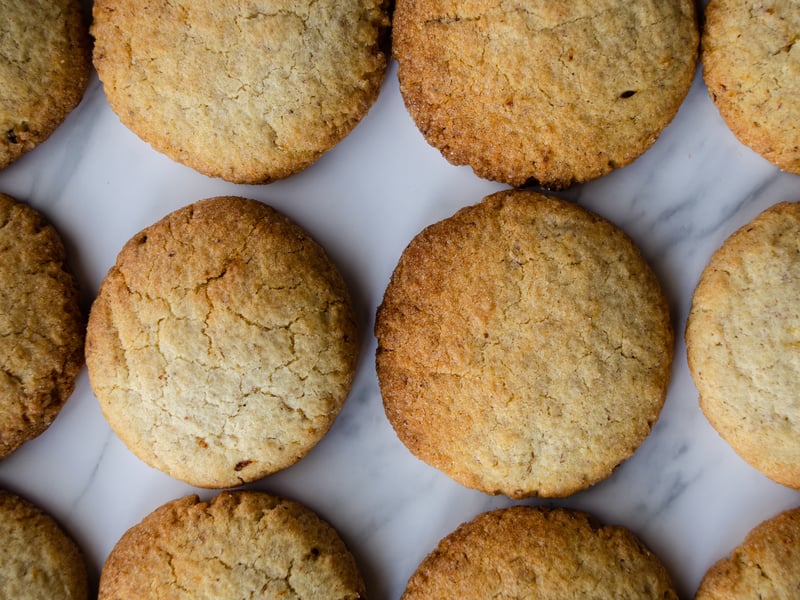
(44, 69)
(239, 545)
(222, 343)
(743, 342)
(751, 65)
(763, 566)
(559, 92)
(526, 552)
(524, 346)
(37, 558)
(246, 90)
(41, 326)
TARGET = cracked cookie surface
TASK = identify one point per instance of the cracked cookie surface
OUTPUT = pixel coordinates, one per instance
(751, 65)
(526, 552)
(37, 558)
(763, 566)
(41, 326)
(542, 89)
(222, 343)
(524, 346)
(241, 544)
(44, 69)
(246, 90)
(743, 342)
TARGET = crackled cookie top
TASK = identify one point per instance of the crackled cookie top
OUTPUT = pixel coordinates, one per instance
(743, 342)
(524, 346)
(238, 545)
(751, 65)
(41, 326)
(44, 68)
(37, 558)
(222, 343)
(525, 552)
(246, 90)
(560, 92)
(763, 566)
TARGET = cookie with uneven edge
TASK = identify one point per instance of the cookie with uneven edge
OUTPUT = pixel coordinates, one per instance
(246, 90)
(763, 566)
(526, 552)
(37, 558)
(558, 92)
(41, 326)
(524, 346)
(743, 342)
(751, 66)
(222, 343)
(44, 69)
(238, 545)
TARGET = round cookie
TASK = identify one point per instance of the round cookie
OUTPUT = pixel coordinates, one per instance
(44, 70)
(249, 91)
(763, 566)
(526, 552)
(524, 346)
(41, 326)
(752, 69)
(559, 92)
(240, 545)
(222, 343)
(37, 559)
(743, 342)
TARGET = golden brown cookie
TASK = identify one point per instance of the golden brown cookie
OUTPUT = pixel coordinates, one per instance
(524, 346)
(743, 342)
(44, 69)
(37, 558)
(763, 567)
(222, 343)
(752, 69)
(241, 544)
(41, 327)
(560, 92)
(526, 552)
(246, 90)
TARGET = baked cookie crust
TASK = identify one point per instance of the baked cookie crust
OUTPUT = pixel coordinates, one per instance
(222, 344)
(37, 558)
(41, 326)
(239, 545)
(763, 566)
(743, 342)
(246, 90)
(44, 69)
(558, 92)
(524, 346)
(751, 66)
(526, 552)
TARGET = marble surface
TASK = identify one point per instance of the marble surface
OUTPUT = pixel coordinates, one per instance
(684, 492)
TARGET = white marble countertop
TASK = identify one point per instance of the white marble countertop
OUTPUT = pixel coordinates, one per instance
(684, 492)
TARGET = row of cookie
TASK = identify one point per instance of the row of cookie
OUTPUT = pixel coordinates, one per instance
(546, 91)
(196, 548)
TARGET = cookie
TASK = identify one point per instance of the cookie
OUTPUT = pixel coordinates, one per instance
(526, 552)
(545, 90)
(37, 558)
(242, 544)
(44, 69)
(246, 90)
(743, 342)
(524, 346)
(41, 326)
(763, 566)
(752, 71)
(222, 343)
